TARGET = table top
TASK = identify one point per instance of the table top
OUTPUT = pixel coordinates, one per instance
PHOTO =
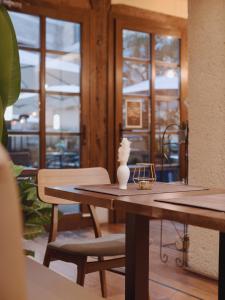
(147, 206)
(133, 190)
(105, 195)
(69, 192)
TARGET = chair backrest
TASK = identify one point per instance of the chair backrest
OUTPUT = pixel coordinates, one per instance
(12, 274)
(54, 177)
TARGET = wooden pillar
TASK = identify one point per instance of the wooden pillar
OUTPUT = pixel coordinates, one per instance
(98, 81)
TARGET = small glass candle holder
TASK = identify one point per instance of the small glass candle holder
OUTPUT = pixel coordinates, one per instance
(144, 175)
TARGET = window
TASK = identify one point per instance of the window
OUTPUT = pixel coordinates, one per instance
(148, 96)
(44, 125)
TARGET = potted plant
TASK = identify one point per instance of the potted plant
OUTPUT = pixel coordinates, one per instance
(36, 214)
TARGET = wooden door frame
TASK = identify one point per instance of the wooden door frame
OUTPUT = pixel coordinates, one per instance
(122, 16)
(81, 16)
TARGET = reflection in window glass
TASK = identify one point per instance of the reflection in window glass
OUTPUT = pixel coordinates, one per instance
(30, 67)
(167, 49)
(62, 113)
(167, 82)
(62, 151)
(24, 114)
(24, 150)
(62, 35)
(136, 78)
(170, 146)
(136, 44)
(140, 148)
(27, 29)
(63, 73)
(170, 156)
(167, 113)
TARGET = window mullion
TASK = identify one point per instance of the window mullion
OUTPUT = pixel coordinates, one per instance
(42, 92)
(152, 93)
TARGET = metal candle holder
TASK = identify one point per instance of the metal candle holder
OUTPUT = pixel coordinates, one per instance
(144, 175)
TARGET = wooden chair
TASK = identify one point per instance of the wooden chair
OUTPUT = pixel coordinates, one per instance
(30, 281)
(78, 251)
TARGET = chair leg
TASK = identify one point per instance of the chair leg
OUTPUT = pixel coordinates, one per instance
(81, 272)
(102, 275)
(47, 258)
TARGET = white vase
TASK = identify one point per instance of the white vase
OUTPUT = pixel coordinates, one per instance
(123, 174)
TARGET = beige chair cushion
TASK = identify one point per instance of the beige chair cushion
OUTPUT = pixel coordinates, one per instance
(110, 245)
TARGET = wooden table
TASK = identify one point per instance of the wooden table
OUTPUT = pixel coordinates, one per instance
(139, 209)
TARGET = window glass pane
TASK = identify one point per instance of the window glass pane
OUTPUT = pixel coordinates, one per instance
(27, 29)
(167, 82)
(170, 148)
(136, 78)
(24, 150)
(136, 113)
(62, 151)
(62, 35)
(136, 44)
(30, 68)
(24, 114)
(167, 113)
(63, 73)
(140, 147)
(62, 113)
(167, 49)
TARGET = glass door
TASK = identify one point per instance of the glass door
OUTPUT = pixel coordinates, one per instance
(148, 98)
(45, 124)
(62, 89)
(136, 91)
(167, 106)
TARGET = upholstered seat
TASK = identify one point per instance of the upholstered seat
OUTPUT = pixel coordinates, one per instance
(110, 245)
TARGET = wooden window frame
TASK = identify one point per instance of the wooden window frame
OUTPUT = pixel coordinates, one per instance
(81, 16)
(125, 17)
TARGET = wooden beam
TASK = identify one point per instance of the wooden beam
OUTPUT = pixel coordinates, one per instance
(58, 3)
(100, 4)
(164, 20)
(98, 81)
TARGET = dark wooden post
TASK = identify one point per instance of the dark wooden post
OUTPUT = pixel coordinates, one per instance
(98, 80)
(137, 257)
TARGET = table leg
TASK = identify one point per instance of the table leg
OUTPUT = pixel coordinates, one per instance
(137, 257)
(221, 283)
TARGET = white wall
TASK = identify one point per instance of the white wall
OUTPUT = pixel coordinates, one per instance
(206, 43)
(171, 7)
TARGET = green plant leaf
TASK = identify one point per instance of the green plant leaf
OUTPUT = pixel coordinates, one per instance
(10, 76)
(4, 134)
(9, 61)
(36, 214)
(2, 110)
(17, 170)
(29, 252)
(31, 231)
